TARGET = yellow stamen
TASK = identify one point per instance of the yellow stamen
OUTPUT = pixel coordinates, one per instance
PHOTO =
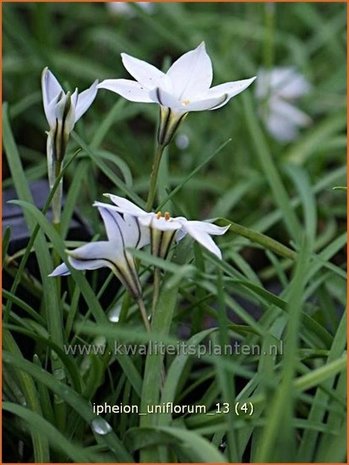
(167, 216)
(158, 215)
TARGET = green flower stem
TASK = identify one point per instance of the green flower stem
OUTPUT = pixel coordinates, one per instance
(156, 289)
(58, 368)
(152, 380)
(57, 365)
(142, 308)
(56, 203)
(159, 150)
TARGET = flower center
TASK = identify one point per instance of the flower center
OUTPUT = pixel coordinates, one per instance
(166, 216)
(185, 102)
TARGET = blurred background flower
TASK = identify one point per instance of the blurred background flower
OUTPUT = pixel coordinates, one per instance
(277, 91)
(125, 8)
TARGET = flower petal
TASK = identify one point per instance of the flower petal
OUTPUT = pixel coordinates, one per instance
(162, 224)
(281, 82)
(84, 100)
(167, 99)
(209, 228)
(281, 128)
(70, 118)
(51, 93)
(191, 74)
(108, 254)
(125, 205)
(207, 103)
(180, 234)
(142, 238)
(62, 107)
(197, 232)
(284, 119)
(230, 89)
(130, 90)
(113, 223)
(295, 88)
(291, 113)
(124, 230)
(145, 73)
(50, 86)
(96, 255)
(61, 270)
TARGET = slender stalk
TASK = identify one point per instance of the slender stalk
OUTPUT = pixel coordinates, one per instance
(54, 172)
(57, 365)
(56, 204)
(156, 290)
(142, 308)
(159, 150)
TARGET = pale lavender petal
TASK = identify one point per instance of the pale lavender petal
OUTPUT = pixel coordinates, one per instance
(96, 255)
(51, 93)
(107, 254)
(50, 111)
(291, 113)
(125, 229)
(113, 224)
(50, 86)
(287, 83)
(61, 270)
(180, 234)
(137, 235)
(295, 88)
(281, 128)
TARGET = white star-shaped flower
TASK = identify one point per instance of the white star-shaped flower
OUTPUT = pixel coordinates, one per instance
(185, 87)
(164, 229)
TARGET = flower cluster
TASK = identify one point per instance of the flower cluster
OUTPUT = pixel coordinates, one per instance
(184, 88)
